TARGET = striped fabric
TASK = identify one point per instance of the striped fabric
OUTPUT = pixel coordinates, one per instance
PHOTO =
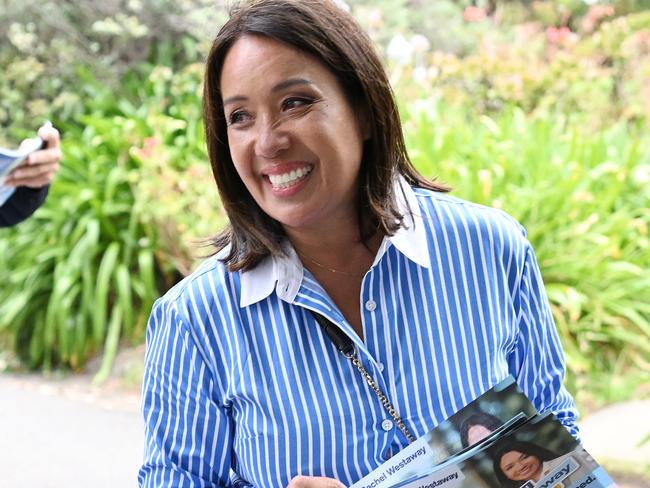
(240, 382)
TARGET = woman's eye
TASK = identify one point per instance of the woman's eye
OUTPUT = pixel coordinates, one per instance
(237, 117)
(296, 102)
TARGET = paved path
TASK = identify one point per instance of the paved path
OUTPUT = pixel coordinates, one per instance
(69, 434)
(61, 434)
(617, 433)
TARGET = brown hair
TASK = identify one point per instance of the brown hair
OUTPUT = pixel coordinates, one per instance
(325, 31)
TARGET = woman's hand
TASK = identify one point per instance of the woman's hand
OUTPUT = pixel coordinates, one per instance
(314, 482)
(39, 167)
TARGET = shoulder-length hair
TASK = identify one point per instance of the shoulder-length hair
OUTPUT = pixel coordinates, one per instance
(329, 34)
(529, 448)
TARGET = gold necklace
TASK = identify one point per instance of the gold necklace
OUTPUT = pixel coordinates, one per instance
(321, 265)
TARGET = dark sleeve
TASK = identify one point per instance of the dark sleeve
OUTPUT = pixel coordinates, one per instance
(21, 205)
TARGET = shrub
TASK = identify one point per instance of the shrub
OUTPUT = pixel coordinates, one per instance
(597, 77)
(584, 199)
(84, 271)
(44, 42)
(550, 125)
(81, 272)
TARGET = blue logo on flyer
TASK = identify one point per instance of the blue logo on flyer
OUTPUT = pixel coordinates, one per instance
(559, 473)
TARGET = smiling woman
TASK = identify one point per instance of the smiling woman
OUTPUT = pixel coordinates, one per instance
(335, 243)
(295, 141)
(325, 67)
(519, 461)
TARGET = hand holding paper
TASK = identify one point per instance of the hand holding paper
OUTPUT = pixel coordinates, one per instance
(38, 168)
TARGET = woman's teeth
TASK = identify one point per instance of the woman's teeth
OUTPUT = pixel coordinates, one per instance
(286, 180)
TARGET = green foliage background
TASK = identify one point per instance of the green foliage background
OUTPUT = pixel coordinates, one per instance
(511, 110)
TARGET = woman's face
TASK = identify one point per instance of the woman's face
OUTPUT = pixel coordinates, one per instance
(519, 466)
(476, 433)
(294, 139)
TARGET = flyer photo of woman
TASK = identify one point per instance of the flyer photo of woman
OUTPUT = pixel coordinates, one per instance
(529, 459)
(517, 462)
(478, 426)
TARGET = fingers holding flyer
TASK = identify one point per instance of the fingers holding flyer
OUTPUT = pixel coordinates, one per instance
(26, 173)
(39, 167)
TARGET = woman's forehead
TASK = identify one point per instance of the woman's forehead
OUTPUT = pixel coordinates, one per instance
(510, 456)
(256, 61)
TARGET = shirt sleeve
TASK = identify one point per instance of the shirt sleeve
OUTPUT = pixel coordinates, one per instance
(188, 434)
(537, 360)
(21, 204)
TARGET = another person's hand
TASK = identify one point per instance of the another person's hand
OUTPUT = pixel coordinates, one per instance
(314, 482)
(39, 167)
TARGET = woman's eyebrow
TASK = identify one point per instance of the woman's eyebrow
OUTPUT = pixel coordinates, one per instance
(283, 85)
(236, 98)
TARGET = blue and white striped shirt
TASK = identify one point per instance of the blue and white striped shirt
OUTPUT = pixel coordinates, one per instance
(241, 382)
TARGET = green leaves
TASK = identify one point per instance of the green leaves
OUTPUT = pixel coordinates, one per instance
(80, 274)
(584, 201)
(135, 196)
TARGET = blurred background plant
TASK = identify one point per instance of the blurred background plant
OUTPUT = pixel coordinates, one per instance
(541, 108)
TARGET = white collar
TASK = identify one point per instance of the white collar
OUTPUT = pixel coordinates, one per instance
(285, 273)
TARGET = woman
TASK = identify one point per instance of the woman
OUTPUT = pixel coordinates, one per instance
(438, 299)
(477, 427)
(519, 462)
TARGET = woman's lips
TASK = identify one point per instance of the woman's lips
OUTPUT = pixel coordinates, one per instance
(525, 471)
(287, 179)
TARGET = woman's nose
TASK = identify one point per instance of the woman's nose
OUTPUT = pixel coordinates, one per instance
(271, 140)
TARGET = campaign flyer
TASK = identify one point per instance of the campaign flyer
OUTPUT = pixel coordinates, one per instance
(500, 408)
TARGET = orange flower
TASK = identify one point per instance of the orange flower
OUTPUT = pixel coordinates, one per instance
(149, 145)
(556, 35)
(474, 14)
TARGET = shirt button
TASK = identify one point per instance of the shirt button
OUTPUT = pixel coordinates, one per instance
(387, 425)
(371, 305)
(381, 367)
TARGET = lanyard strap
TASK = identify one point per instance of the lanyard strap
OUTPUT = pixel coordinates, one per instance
(345, 346)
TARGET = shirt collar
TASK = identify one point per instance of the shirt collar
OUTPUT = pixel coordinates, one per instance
(284, 273)
(410, 238)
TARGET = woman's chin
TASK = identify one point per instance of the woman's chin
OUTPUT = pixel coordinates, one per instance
(295, 224)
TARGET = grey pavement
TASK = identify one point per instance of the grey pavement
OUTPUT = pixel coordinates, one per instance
(620, 435)
(60, 434)
(68, 433)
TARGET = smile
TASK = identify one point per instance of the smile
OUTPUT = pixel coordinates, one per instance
(525, 471)
(285, 180)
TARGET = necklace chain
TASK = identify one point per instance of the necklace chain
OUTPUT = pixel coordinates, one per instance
(321, 265)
